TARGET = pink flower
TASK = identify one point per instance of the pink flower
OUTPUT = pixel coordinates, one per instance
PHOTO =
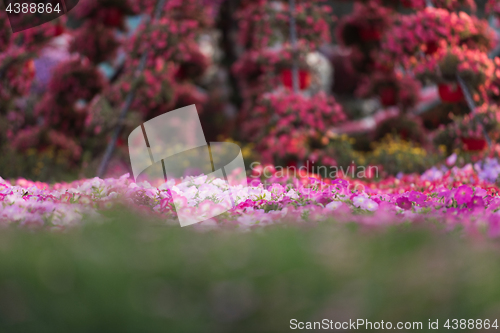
(463, 195)
(417, 197)
(451, 159)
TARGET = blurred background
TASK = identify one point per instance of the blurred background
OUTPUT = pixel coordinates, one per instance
(376, 82)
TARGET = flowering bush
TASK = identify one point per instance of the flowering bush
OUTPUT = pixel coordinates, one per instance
(268, 56)
(154, 90)
(165, 38)
(289, 127)
(173, 55)
(181, 10)
(421, 4)
(493, 7)
(47, 139)
(259, 71)
(398, 156)
(414, 4)
(406, 126)
(17, 51)
(76, 79)
(470, 127)
(96, 42)
(366, 24)
(108, 12)
(266, 23)
(435, 44)
(58, 120)
(175, 64)
(421, 34)
(455, 4)
(18, 73)
(473, 66)
(33, 39)
(392, 88)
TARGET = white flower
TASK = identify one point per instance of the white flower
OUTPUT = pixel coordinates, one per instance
(333, 205)
(292, 194)
(370, 205)
(220, 183)
(12, 198)
(167, 185)
(359, 200)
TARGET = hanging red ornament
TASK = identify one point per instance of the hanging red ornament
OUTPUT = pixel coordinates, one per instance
(30, 68)
(304, 79)
(450, 92)
(474, 144)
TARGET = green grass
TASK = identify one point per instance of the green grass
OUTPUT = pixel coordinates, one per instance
(131, 275)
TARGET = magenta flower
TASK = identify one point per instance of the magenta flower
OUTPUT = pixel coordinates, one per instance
(477, 202)
(463, 195)
(404, 203)
(417, 197)
(341, 182)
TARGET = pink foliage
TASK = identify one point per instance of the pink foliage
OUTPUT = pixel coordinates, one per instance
(424, 32)
(76, 79)
(493, 7)
(96, 42)
(266, 23)
(287, 125)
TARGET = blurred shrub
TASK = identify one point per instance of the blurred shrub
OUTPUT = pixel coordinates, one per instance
(391, 154)
(396, 155)
(49, 165)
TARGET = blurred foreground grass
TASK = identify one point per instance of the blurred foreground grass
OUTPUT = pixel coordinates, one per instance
(131, 275)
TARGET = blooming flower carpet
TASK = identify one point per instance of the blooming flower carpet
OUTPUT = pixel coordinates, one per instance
(464, 197)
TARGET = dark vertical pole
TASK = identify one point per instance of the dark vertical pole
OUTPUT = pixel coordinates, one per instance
(293, 41)
(128, 102)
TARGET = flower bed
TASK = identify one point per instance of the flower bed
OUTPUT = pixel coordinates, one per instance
(463, 197)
